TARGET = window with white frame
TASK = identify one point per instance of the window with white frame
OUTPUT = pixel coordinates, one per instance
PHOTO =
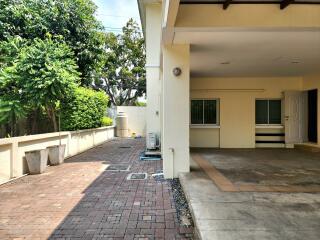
(268, 111)
(204, 111)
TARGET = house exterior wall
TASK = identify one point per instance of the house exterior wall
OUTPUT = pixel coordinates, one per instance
(204, 137)
(171, 95)
(237, 107)
(175, 112)
(153, 47)
(313, 82)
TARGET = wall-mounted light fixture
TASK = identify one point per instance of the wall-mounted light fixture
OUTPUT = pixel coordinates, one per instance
(177, 71)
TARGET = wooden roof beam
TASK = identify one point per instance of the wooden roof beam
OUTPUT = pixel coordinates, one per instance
(226, 4)
(285, 3)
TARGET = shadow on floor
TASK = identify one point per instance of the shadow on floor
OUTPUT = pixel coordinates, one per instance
(113, 207)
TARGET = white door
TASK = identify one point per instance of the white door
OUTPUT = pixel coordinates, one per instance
(293, 104)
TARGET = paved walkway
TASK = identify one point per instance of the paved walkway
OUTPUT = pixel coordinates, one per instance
(80, 200)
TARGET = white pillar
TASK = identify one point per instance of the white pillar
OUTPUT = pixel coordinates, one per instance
(175, 110)
(153, 33)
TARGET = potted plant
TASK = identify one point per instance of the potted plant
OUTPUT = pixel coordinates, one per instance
(56, 152)
(37, 160)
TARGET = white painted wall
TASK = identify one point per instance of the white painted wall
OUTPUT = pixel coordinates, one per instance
(12, 150)
(153, 33)
(237, 106)
(204, 137)
(175, 112)
(136, 119)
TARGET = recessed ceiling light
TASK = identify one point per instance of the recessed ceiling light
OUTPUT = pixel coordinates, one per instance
(225, 63)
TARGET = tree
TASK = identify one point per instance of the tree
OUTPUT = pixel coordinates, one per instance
(11, 109)
(124, 76)
(42, 74)
(72, 19)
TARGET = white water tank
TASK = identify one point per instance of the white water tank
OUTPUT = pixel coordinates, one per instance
(122, 125)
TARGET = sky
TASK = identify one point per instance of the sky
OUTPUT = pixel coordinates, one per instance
(115, 13)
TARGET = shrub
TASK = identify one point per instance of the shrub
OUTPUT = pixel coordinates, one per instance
(84, 110)
(140, 104)
(106, 121)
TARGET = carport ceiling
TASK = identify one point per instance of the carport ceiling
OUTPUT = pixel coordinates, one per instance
(252, 53)
(226, 3)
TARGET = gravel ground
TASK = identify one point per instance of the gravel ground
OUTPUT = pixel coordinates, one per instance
(183, 212)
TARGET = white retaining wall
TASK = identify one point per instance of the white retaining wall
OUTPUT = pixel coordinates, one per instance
(12, 157)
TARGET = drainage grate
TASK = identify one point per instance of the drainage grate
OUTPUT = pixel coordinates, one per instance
(158, 176)
(150, 156)
(125, 147)
(118, 167)
(137, 176)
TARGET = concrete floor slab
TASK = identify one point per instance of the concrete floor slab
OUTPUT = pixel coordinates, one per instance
(250, 215)
(280, 167)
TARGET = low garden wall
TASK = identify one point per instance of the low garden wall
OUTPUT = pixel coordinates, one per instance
(12, 157)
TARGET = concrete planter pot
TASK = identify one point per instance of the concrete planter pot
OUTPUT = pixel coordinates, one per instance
(56, 154)
(37, 160)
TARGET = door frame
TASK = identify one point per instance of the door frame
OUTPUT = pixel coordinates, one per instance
(315, 115)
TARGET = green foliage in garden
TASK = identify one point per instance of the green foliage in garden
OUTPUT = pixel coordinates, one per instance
(124, 76)
(141, 104)
(48, 48)
(74, 20)
(106, 121)
(41, 74)
(83, 110)
(11, 111)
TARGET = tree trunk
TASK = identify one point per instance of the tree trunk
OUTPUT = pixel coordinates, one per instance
(52, 117)
(54, 120)
(7, 129)
(11, 134)
(13, 125)
(34, 121)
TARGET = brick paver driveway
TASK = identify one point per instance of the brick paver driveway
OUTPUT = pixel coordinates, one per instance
(80, 200)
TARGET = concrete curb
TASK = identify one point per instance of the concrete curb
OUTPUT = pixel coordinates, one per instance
(196, 232)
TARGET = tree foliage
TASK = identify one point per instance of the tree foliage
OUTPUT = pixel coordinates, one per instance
(124, 76)
(74, 20)
(106, 121)
(83, 110)
(50, 47)
(41, 74)
(11, 111)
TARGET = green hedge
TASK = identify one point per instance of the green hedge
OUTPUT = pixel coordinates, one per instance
(84, 110)
(106, 121)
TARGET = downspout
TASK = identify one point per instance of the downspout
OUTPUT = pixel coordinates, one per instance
(172, 160)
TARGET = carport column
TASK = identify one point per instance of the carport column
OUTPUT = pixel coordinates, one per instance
(153, 47)
(175, 109)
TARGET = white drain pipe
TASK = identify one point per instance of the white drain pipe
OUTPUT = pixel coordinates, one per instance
(172, 160)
